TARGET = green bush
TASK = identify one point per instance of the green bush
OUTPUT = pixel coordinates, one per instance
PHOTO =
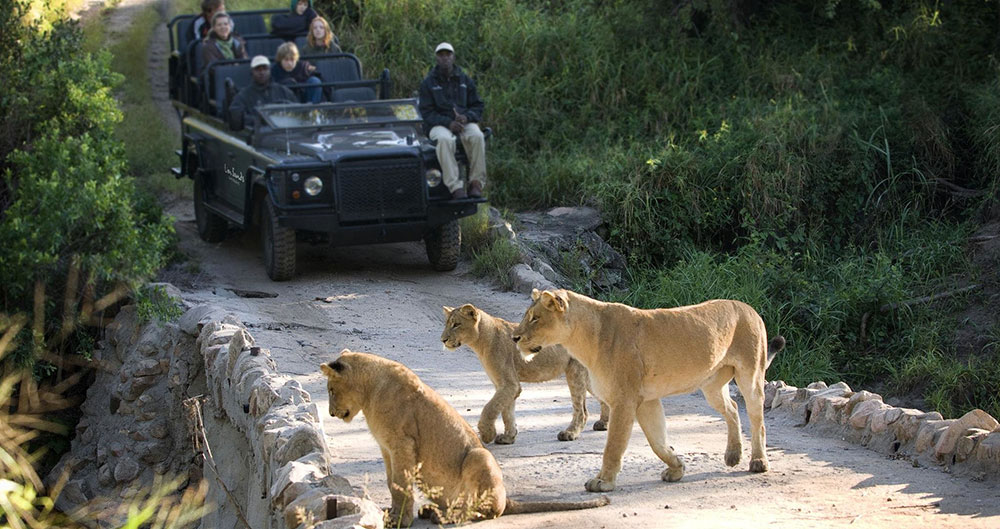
(70, 217)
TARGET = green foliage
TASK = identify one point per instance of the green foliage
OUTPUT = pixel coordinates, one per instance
(70, 217)
(154, 303)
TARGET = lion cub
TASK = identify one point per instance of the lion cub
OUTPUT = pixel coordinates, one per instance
(489, 337)
(417, 429)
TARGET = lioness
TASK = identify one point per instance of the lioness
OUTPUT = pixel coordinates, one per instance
(489, 338)
(636, 356)
(417, 429)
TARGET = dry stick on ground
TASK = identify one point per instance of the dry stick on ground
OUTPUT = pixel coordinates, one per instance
(199, 441)
(910, 302)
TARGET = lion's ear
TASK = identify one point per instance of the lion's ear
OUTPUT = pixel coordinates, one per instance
(534, 294)
(334, 368)
(327, 369)
(469, 311)
(447, 311)
(553, 302)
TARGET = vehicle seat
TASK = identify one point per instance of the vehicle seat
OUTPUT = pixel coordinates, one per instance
(238, 70)
(246, 24)
(266, 45)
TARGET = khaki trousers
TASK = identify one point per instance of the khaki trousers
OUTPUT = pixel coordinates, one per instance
(475, 149)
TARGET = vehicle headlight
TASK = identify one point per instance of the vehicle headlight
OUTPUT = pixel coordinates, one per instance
(433, 177)
(313, 185)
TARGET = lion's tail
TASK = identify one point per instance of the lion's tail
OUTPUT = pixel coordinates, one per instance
(524, 507)
(773, 348)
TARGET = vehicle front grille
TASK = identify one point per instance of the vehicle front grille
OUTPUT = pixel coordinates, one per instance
(380, 189)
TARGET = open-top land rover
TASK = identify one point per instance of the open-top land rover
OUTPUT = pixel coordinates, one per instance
(356, 169)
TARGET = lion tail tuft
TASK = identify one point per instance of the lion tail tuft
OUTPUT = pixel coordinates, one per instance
(774, 347)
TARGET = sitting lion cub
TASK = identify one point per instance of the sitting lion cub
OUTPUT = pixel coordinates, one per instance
(489, 338)
(418, 431)
(636, 356)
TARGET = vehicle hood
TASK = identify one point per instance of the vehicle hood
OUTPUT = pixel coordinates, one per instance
(332, 144)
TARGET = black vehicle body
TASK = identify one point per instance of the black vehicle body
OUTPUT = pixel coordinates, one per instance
(356, 170)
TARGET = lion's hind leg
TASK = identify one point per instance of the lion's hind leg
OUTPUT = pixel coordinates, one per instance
(481, 489)
(716, 391)
(654, 425)
(751, 384)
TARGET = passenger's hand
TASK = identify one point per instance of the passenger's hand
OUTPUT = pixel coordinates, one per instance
(461, 118)
(456, 127)
(310, 68)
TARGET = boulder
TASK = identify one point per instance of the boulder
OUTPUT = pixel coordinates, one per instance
(974, 419)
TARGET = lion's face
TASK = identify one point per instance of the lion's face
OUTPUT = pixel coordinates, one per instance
(342, 387)
(543, 323)
(460, 326)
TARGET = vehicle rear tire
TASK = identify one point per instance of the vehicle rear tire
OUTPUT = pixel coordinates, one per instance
(211, 227)
(443, 246)
(278, 244)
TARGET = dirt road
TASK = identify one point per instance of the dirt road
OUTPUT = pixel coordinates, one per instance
(387, 300)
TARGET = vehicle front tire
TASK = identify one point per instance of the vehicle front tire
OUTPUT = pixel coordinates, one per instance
(443, 246)
(278, 243)
(211, 227)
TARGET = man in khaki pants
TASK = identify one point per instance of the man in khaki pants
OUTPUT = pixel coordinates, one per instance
(451, 109)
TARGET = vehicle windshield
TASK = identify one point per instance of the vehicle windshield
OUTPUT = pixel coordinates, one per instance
(339, 114)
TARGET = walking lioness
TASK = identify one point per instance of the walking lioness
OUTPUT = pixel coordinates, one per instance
(489, 337)
(637, 356)
(419, 432)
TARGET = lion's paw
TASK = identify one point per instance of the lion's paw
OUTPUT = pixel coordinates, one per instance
(733, 457)
(398, 519)
(600, 426)
(487, 433)
(506, 439)
(672, 474)
(567, 435)
(758, 465)
(599, 485)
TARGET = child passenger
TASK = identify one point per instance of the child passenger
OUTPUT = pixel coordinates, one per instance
(320, 39)
(291, 70)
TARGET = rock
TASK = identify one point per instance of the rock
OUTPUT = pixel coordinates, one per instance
(989, 449)
(858, 398)
(195, 318)
(968, 443)
(297, 442)
(314, 504)
(126, 470)
(881, 419)
(524, 279)
(929, 433)
(770, 390)
(974, 419)
(241, 341)
(147, 367)
(863, 412)
(137, 386)
(105, 476)
(817, 385)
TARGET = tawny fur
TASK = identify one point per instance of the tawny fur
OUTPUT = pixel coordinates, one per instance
(489, 337)
(416, 428)
(637, 356)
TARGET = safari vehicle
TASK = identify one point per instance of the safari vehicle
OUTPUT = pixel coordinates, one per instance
(355, 170)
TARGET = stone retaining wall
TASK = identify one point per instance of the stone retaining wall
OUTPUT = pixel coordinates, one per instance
(288, 477)
(969, 445)
(271, 462)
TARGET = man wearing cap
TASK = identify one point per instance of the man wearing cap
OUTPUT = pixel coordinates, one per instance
(451, 109)
(260, 92)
